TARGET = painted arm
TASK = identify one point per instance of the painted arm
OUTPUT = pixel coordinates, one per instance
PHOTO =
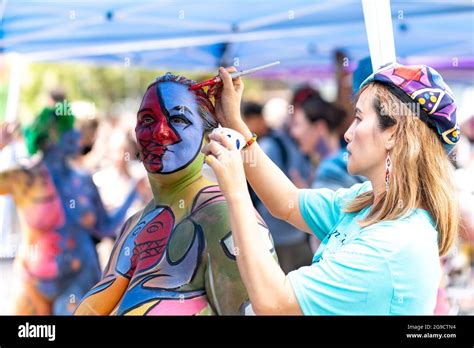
(103, 298)
(7, 180)
(10, 176)
(107, 224)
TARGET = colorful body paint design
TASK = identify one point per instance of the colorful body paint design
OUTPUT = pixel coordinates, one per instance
(196, 274)
(60, 210)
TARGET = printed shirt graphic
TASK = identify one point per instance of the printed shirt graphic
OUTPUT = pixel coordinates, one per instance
(391, 267)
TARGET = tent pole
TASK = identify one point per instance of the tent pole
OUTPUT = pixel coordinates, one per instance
(14, 87)
(9, 219)
(378, 24)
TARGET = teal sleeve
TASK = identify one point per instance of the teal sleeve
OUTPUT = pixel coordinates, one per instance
(353, 281)
(322, 208)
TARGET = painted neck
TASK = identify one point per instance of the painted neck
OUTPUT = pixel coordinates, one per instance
(169, 188)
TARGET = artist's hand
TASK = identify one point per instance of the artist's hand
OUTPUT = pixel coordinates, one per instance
(228, 100)
(226, 161)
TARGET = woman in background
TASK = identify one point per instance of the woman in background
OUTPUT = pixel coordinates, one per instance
(60, 210)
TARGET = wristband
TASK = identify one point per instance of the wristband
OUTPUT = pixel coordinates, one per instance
(251, 141)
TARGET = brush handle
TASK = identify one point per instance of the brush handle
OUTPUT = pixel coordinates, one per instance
(234, 75)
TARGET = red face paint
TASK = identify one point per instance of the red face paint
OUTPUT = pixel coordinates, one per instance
(153, 131)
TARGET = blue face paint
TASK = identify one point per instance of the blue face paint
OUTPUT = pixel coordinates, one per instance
(169, 128)
(185, 120)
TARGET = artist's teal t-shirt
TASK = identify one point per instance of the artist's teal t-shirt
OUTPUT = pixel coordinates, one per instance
(391, 267)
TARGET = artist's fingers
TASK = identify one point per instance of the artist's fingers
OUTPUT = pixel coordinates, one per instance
(213, 148)
(238, 82)
(223, 140)
(229, 84)
(214, 163)
(231, 69)
(226, 79)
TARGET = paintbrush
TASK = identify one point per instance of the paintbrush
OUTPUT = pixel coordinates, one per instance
(234, 75)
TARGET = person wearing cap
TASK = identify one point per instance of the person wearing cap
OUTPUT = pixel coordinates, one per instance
(380, 240)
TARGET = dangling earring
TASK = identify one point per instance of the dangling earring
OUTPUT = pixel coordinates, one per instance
(388, 167)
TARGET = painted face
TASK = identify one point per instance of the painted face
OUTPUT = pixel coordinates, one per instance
(366, 141)
(169, 129)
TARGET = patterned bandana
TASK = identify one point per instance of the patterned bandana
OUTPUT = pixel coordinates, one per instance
(425, 86)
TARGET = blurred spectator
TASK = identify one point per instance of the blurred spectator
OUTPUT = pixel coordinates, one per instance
(115, 180)
(88, 122)
(465, 184)
(332, 172)
(291, 244)
(125, 173)
(88, 129)
(56, 96)
(60, 212)
(314, 128)
(253, 117)
(318, 126)
(458, 264)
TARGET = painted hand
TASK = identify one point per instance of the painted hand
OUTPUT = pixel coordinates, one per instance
(226, 161)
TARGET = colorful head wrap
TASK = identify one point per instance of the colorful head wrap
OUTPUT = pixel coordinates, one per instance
(38, 133)
(425, 86)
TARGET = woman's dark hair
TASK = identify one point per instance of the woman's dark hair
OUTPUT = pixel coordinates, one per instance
(252, 109)
(316, 108)
(302, 93)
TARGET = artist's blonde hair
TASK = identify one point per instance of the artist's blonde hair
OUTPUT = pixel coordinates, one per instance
(421, 175)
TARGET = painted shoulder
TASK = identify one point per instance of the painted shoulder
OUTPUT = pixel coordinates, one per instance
(30, 165)
(127, 227)
(207, 196)
(211, 196)
(135, 218)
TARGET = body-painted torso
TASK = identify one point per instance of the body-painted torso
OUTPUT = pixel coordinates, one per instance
(57, 215)
(178, 261)
(161, 255)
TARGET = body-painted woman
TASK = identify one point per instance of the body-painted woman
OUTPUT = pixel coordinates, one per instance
(176, 257)
(60, 210)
